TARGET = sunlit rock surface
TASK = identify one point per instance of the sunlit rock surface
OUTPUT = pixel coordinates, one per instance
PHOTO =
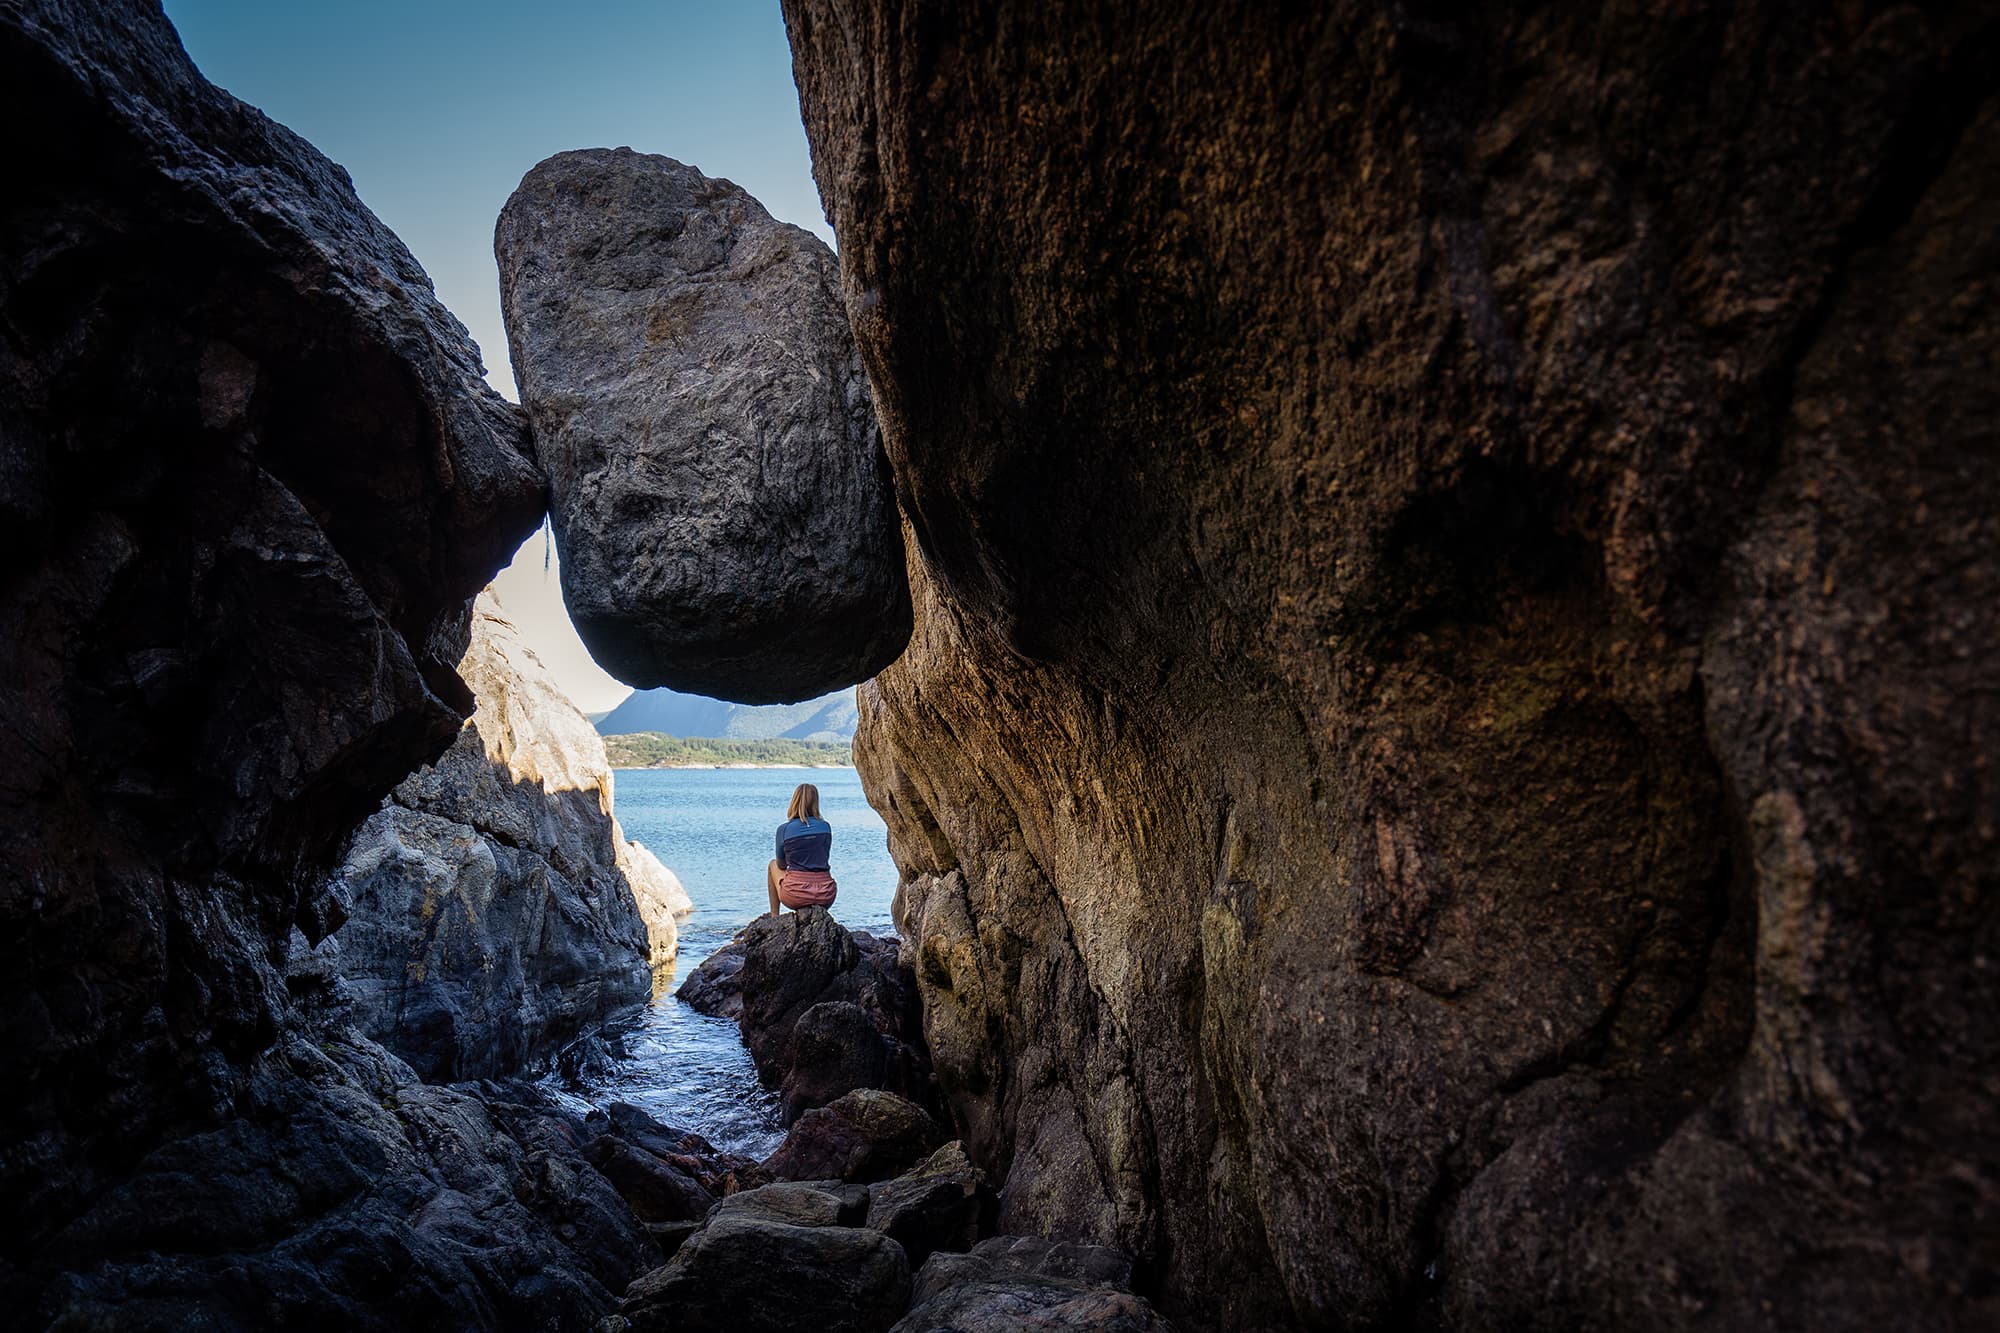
(718, 489)
(1443, 771)
(496, 910)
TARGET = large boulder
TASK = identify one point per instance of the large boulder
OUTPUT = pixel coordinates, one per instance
(863, 1135)
(1444, 770)
(251, 478)
(824, 1010)
(496, 911)
(940, 1204)
(773, 1269)
(719, 495)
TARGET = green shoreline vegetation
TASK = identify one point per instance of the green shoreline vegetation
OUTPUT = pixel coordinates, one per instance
(654, 749)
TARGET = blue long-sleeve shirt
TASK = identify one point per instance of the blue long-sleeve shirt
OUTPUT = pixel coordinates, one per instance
(804, 844)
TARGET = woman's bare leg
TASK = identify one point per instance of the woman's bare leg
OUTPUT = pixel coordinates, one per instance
(771, 883)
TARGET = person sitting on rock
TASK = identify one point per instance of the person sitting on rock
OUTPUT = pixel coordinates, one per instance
(799, 877)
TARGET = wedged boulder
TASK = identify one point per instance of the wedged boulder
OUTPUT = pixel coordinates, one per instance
(1447, 744)
(719, 496)
(825, 1010)
(750, 1271)
(1008, 1283)
(495, 910)
(941, 1204)
(863, 1135)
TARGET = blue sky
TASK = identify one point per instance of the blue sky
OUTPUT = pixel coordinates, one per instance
(437, 108)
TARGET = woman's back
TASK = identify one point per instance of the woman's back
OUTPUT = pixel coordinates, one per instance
(804, 843)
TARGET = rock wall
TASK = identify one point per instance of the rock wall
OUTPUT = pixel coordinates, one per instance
(496, 910)
(252, 479)
(1442, 773)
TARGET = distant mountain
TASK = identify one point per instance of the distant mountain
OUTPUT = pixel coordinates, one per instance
(827, 718)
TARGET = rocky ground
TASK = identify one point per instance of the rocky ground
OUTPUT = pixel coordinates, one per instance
(824, 1010)
(1445, 571)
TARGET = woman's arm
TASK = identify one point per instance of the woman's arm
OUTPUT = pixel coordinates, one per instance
(781, 847)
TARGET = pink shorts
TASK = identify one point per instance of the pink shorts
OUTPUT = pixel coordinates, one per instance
(806, 888)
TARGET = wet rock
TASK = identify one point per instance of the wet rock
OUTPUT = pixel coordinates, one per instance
(719, 496)
(746, 1270)
(940, 1205)
(496, 911)
(862, 1135)
(717, 1172)
(656, 1189)
(1457, 606)
(825, 1010)
(716, 987)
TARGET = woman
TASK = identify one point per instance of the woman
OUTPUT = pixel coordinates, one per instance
(798, 877)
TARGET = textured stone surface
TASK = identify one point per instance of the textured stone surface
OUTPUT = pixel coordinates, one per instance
(716, 987)
(1015, 1282)
(802, 1203)
(749, 1271)
(940, 1204)
(347, 1194)
(718, 490)
(863, 1135)
(825, 1010)
(715, 1172)
(252, 479)
(1097, 1266)
(1443, 770)
(496, 911)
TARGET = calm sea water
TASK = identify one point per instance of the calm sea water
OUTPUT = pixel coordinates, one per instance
(714, 828)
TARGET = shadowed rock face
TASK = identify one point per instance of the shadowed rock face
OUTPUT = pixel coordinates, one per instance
(252, 479)
(822, 1009)
(1441, 773)
(496, 910)
(719, 495)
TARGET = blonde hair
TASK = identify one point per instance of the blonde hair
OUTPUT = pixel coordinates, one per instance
(805, 802)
